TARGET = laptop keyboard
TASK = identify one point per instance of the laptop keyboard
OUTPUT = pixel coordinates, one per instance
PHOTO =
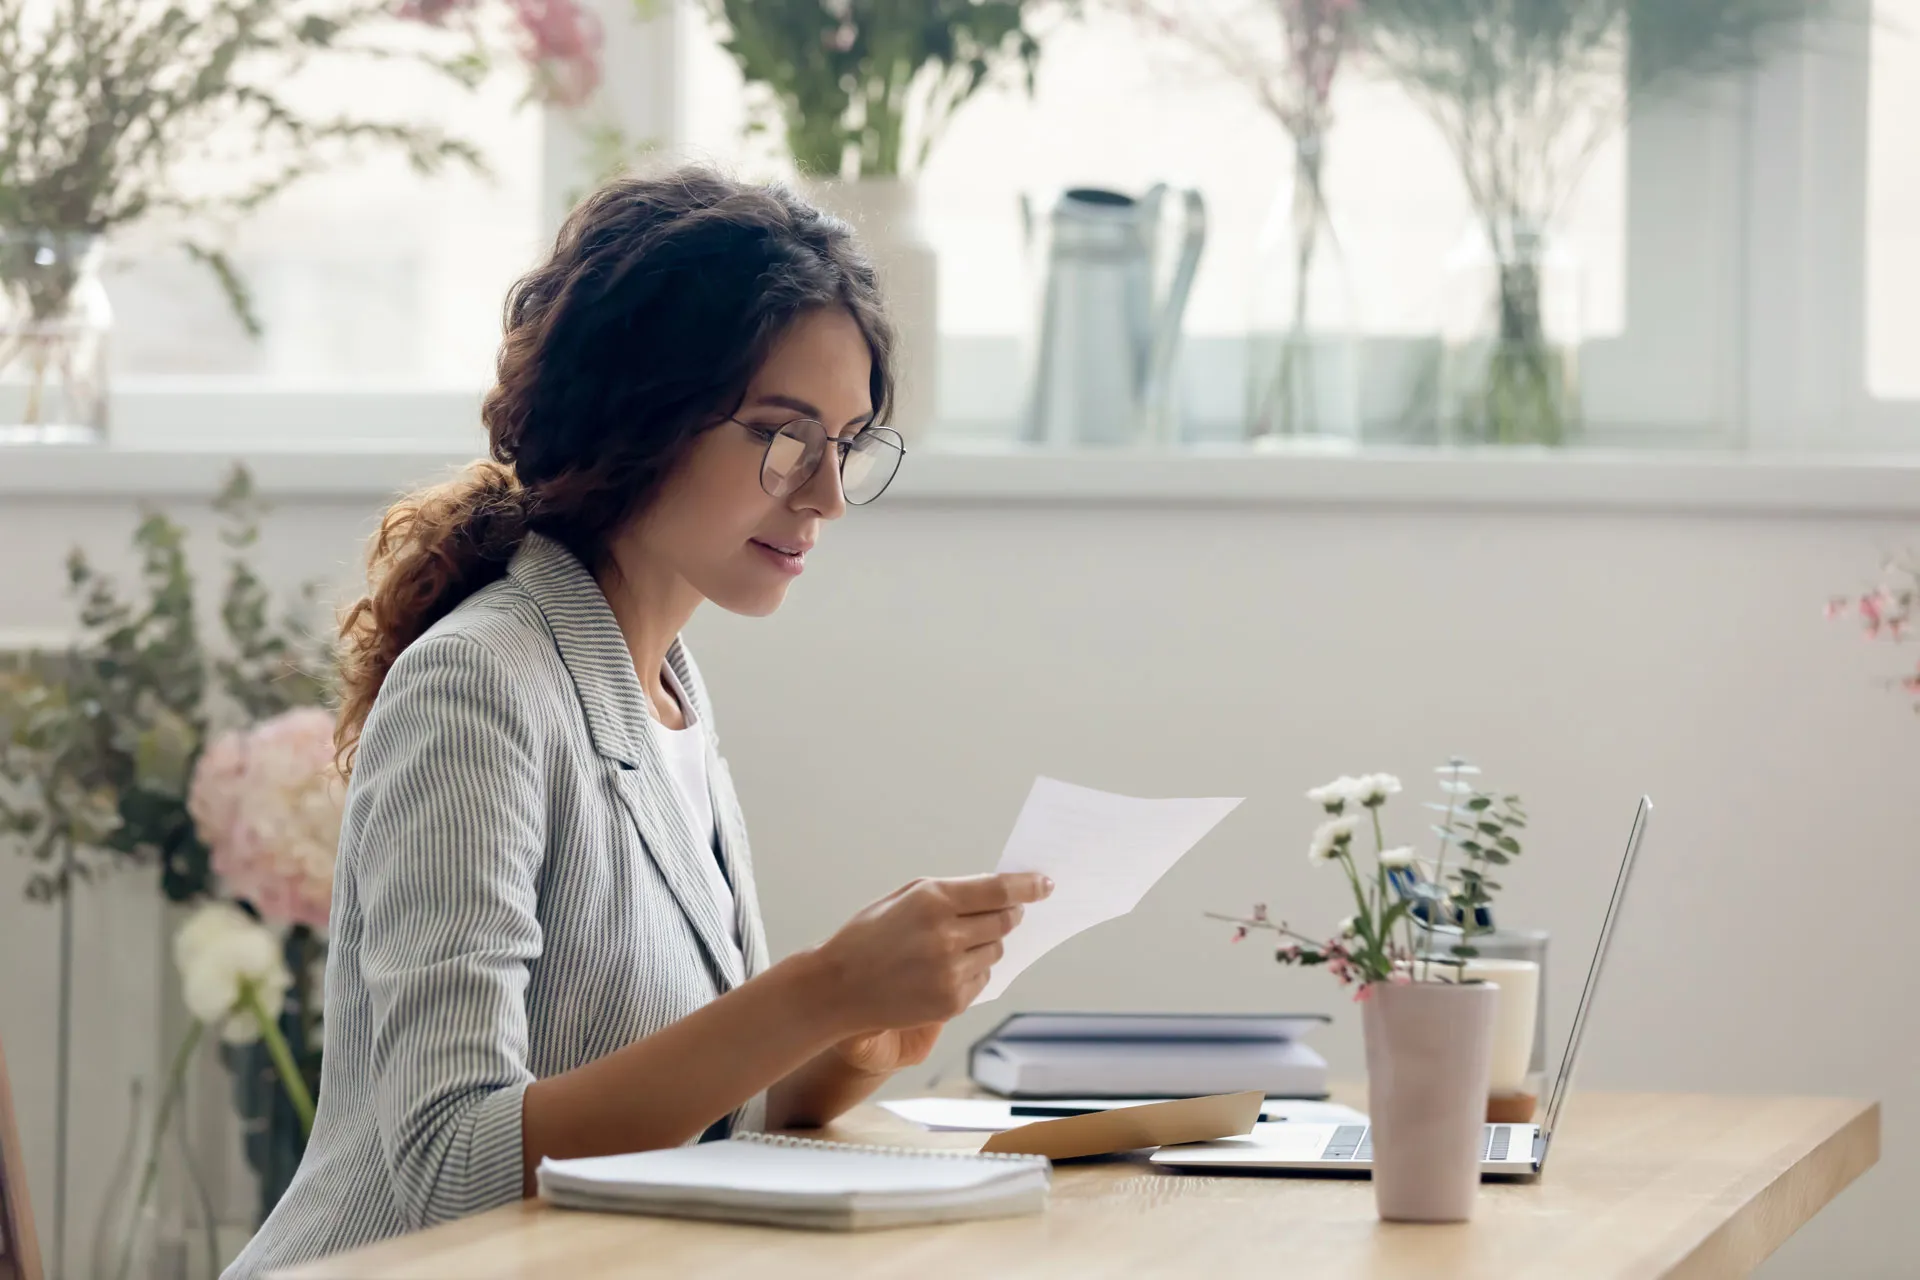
(1346, 1141)
(1355, 1142)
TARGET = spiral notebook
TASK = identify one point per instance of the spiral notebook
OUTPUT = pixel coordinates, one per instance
(802, 1182)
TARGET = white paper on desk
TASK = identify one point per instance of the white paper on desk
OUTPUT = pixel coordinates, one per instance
(1103, 852)
(995, 1115)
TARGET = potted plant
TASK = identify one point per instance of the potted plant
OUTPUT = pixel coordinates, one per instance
(863, 90)
(1428, 1022)
(1524, 95)
(143, 747)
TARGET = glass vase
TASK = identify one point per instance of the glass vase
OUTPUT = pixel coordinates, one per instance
(1303, 342)
(54, 323)
(135, 1237)
(124, 1236)
(1510, 338)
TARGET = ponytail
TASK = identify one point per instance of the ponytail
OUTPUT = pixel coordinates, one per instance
(434, 548)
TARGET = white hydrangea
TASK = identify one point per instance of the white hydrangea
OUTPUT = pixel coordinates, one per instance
(218, 949)
(1330, 835)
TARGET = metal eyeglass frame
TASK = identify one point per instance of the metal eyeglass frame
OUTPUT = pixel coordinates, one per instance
(841, 445)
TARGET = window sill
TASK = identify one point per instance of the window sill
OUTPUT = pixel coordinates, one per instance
(954, 473)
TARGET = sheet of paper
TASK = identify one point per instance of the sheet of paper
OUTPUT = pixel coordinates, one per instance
(1103, 851)
(993, 1115)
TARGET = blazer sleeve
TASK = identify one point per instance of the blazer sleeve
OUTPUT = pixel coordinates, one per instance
(447, 841)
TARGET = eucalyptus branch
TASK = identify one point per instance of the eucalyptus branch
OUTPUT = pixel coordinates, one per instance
(98, 741)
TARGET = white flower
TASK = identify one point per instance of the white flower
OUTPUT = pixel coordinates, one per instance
(1336, 794)
(1374, 789)
(1329, 836)
(217, 950)
(1349, 927)
(1394, 859)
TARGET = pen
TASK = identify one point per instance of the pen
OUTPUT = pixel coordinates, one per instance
(1043, 1113)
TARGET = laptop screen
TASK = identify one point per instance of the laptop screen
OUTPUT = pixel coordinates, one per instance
(1562, 1084)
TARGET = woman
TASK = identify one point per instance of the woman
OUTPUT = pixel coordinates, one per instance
(545, 935)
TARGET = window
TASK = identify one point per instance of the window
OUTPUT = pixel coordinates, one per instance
(1729, 290)
(1893, 203)
(365, 276)
(1112, 108)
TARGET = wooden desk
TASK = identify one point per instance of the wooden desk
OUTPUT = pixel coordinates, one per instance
(1637, 1185)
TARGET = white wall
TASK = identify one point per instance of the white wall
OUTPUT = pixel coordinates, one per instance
(936, 656)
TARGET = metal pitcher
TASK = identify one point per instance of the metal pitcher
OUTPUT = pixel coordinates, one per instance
(1101, 356)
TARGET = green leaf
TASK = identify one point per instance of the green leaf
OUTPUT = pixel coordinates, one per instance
(163, 752)
(1478, 803)
(1509, 844)
(1497, 858)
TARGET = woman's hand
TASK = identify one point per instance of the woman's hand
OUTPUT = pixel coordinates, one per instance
(882, 1053)
(919, 956)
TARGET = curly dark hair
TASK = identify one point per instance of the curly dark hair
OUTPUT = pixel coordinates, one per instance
(661, 299)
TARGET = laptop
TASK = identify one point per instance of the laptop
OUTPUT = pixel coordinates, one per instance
(1511, 1151)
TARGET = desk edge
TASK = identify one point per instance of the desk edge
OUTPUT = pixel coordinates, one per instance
(1772, 1213)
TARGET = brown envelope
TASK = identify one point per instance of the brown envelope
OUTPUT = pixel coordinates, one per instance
(1154, 1124)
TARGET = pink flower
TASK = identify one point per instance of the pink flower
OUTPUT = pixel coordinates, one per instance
(213, 796)
(275, 828)
(562, 42)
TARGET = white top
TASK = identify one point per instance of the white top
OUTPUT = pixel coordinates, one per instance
(686, 754)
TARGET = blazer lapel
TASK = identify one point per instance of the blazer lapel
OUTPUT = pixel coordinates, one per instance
(729, 823)
(739, 864)
(596, 656)
(650, 797)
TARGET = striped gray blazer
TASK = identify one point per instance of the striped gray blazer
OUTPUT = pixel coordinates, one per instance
(518, 893)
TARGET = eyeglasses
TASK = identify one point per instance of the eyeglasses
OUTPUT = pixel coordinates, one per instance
(868, 459)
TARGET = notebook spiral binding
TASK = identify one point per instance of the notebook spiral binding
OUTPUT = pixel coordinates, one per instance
(924, 1153)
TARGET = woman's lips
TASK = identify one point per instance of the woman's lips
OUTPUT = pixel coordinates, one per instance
(789, 558)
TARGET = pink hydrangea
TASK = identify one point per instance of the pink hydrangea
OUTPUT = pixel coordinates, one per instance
(214, 792)
(268, 805)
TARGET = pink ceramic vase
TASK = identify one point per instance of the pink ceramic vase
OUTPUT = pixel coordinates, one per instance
(1429, 1055)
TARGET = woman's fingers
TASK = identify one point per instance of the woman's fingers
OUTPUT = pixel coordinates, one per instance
(987, 926)
(972, 895)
